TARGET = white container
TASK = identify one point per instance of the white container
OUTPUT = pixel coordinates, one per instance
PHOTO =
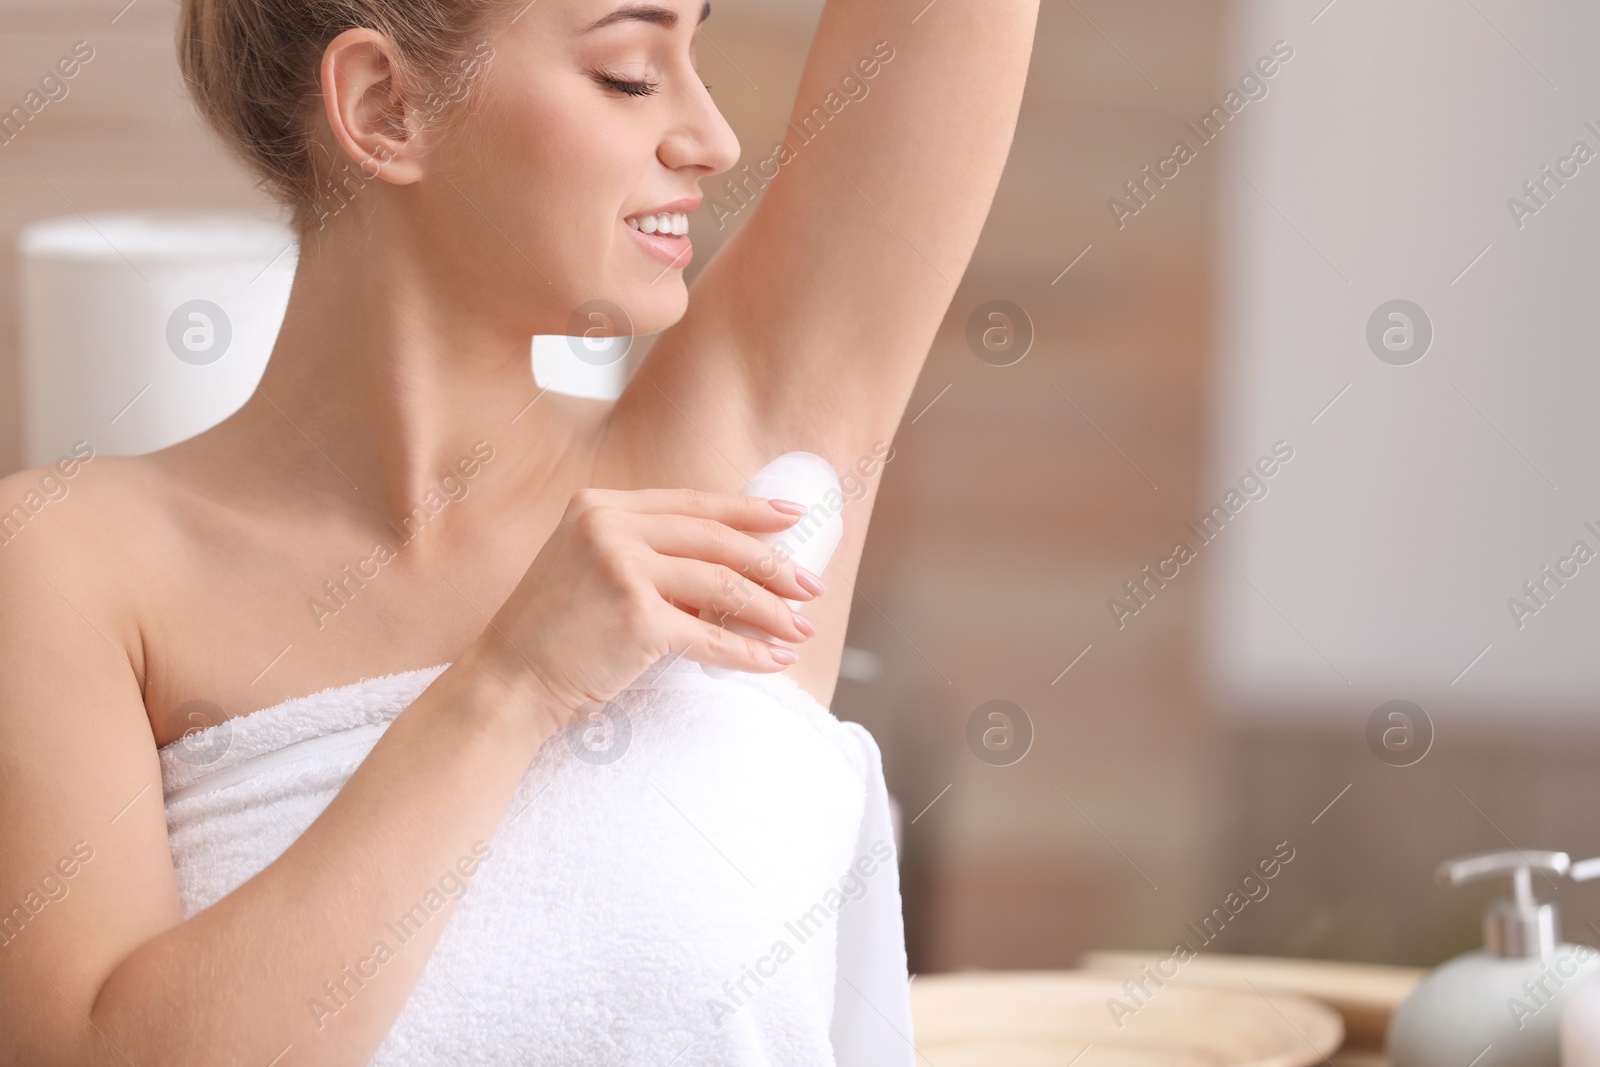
(140, 330)
(593, 367)
(805, 478)
(1502, 1006)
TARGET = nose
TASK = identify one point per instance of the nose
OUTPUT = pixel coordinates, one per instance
(702, 138)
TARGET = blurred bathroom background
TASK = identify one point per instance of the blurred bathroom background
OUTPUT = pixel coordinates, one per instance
(1321, 346)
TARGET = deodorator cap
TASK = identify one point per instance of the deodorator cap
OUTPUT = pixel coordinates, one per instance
(806, 478)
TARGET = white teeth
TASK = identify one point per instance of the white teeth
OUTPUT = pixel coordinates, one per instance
(676, 223)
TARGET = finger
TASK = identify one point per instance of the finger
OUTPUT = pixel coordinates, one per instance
(706, 642)
(739, 512)
(715, 542)
(725, 594)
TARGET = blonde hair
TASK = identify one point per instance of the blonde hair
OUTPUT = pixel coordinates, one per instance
(253, 69)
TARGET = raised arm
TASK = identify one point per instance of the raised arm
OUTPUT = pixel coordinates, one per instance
(811, 325)
(809, 329)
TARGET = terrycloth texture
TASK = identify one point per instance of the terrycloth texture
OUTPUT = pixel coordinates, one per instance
(723, 892)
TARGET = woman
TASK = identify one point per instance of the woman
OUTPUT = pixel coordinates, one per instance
(465, 174)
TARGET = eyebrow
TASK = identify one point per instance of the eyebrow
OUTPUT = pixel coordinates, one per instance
(664, 17)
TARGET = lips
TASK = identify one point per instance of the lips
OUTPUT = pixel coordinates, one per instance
(663, 231)
(670, 249)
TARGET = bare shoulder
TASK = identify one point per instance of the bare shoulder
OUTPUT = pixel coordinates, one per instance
(72, 535)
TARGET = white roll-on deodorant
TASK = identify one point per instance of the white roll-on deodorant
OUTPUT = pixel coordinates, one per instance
(808, 479)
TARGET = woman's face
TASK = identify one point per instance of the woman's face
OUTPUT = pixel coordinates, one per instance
(587, 117)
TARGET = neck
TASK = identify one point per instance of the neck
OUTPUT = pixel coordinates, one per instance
(385, 376)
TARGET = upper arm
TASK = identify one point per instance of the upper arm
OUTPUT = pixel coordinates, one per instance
(812, 323)
(809, 328)
(85, 870)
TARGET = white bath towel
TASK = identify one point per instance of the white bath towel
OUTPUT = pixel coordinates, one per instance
(705, 875)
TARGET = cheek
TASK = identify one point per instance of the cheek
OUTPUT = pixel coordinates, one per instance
(508, 209)
(555, 169)
(576, 169)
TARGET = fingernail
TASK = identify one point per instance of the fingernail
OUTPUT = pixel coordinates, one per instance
(805, 625)
(808, 581)
(788, 507)
(784, 656)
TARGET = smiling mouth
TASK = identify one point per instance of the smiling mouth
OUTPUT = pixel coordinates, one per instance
(666, 224)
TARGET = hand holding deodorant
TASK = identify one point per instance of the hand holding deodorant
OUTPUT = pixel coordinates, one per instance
(806, 478)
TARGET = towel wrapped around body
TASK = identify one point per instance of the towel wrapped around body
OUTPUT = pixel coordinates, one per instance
(704, 874)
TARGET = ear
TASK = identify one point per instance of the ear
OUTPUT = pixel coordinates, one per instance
(365, 105)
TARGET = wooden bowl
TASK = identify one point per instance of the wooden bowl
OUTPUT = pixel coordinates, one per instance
(1057, 1018)
(1365, 994)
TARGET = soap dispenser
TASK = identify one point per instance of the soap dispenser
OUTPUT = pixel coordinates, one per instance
(1500, 1006)
(1580, 1019)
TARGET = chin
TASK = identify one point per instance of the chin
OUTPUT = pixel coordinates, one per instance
(652, 307)
(614, 296)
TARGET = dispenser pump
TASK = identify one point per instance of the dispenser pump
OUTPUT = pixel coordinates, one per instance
(1521, 927)
(1503, 1005)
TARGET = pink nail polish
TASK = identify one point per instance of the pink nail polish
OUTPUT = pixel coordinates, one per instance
(784, 656)
(788, 507)
(808, 581)
(805, 625)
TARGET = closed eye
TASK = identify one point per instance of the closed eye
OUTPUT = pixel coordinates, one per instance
(623, 85)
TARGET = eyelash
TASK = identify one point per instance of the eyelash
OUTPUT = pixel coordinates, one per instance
(631, 88)
(622, 85)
